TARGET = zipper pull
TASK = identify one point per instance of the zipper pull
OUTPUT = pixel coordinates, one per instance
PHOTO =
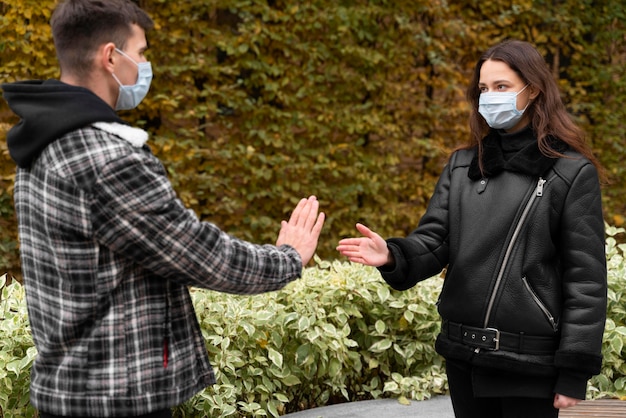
(540, 187)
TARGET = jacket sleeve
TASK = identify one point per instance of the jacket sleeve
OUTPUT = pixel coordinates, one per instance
(584, 283)
(424, 252)
(137, 214)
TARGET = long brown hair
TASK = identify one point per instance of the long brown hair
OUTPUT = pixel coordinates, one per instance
(548, 115)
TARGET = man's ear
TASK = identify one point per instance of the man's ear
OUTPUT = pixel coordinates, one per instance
(106, 56)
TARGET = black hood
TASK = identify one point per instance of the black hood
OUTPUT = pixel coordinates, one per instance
(48, 110)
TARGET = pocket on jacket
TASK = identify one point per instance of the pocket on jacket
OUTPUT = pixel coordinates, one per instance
(554, 323)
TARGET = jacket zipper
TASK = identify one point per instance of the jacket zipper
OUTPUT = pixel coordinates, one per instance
(538, 193)
(539, 303)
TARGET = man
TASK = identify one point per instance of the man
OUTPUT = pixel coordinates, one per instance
(107, 249)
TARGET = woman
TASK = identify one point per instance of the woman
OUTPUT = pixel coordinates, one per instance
(516, 218)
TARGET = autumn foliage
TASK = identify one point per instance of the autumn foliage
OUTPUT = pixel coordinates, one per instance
(256, 104)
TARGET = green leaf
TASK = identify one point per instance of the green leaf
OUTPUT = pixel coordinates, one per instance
(275, 357)
(291, 380)
(381, 346)
(380, 327)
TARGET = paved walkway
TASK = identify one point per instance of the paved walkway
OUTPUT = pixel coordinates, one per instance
(441, 407)
(437, 407)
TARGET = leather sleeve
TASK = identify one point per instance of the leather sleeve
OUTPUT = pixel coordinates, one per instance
(584, 275)
(423, 253)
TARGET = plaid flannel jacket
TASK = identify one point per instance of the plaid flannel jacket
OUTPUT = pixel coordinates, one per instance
(108, 252)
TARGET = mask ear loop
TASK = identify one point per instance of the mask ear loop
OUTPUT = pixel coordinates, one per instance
(136, 63)
(523, 88)
(527, 104)
(117, 79)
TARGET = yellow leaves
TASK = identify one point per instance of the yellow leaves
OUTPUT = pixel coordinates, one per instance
(262, 342)
(28, 13)
(258, 26)
(25, 37)
(403, 324)
(176, 34)
(537, 36)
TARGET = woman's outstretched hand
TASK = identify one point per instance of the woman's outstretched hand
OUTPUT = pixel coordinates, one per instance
(371, 249)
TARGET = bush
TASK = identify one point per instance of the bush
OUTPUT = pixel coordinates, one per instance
(16, 351)
(612, 380)
(338, 334)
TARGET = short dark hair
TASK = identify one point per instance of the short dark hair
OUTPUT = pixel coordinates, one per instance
(79, 27)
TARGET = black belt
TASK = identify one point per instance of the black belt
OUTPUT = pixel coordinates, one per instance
(493, 339)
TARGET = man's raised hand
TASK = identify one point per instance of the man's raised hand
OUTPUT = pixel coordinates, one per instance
(303, 229)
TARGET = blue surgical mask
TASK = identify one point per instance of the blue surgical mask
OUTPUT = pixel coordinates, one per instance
(130, 96)
(500, 109)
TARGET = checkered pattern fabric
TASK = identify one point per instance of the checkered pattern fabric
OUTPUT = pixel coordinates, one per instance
(108, 253)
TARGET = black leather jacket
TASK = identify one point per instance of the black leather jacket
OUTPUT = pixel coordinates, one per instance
(525, 258)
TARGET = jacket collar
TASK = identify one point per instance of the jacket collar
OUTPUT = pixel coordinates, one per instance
(135, 136)
(528, 160)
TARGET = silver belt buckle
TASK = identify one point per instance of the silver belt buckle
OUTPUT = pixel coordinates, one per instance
(496, 339)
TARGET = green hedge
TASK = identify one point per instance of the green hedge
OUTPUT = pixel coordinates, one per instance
(338, 334)
(256, 103)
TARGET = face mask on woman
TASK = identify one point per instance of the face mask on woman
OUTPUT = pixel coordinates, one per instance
(500, 109)
(130, 96)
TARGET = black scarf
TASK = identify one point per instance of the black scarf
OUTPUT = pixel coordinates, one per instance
(522, 154)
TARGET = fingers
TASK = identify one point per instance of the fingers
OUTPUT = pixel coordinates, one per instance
(357, 259)
(350, 247)
(297, 212)
(311, 218)
(305, 214)
(303, 229)
(350, 242)
(319, 223)
(353, 248)
(365, 231)
(351, 254)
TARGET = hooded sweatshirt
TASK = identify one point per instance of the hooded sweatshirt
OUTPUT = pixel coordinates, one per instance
(48, 110)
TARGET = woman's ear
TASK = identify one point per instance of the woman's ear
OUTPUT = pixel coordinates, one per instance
(534, 92)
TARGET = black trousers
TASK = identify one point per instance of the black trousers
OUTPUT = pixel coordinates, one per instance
(166, 413)
(466, 405)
